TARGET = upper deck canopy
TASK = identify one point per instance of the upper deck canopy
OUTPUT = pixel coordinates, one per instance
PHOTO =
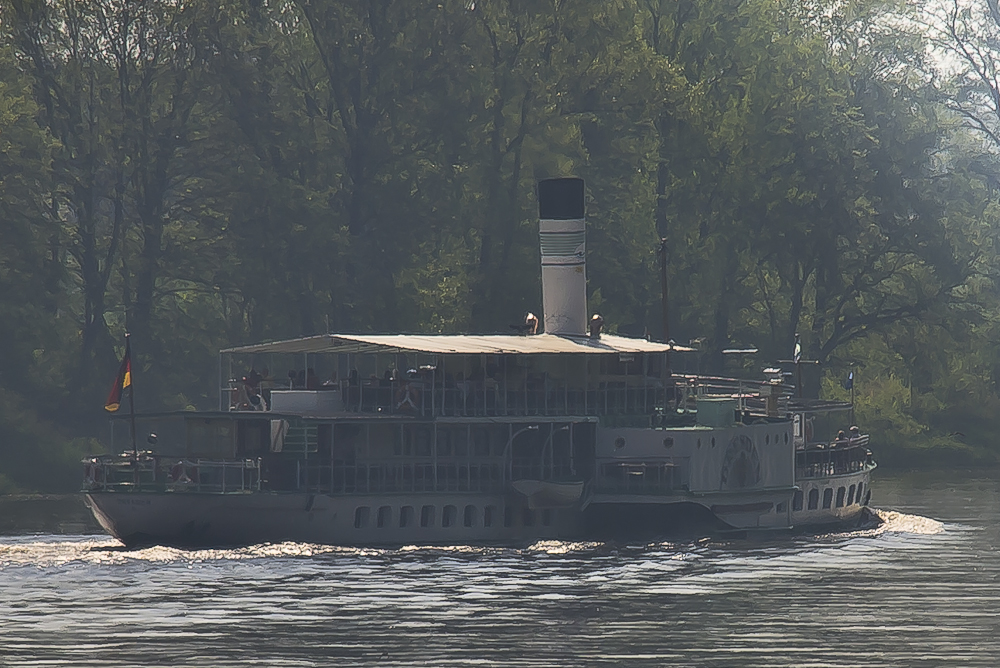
(461, 344)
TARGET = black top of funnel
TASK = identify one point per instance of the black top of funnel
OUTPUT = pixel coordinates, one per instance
(560, 199)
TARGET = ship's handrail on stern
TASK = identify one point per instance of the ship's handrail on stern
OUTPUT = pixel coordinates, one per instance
(148, 472)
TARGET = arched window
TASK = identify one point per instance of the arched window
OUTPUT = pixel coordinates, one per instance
(797, 500)
(488, 513)
(827, 498)
(841, 491)
(361, 515)
(813, 499)
(528, 517)
(427, 516)
(861, 486)
(406, 517)
(508, 516)
(384, 517)
(470, 516)
(449, 516)
(850, 496)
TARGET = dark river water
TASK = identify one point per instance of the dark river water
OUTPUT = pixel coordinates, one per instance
(921, 590)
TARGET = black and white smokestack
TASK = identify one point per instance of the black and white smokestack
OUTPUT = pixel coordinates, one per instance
(563, 236)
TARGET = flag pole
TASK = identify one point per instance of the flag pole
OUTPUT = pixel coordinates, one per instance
(854, 379)
(131, 399)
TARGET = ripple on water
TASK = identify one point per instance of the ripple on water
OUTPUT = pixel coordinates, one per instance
(908, 592)
(29, 551)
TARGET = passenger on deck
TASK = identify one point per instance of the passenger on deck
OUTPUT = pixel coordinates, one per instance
(312, 380)
(253, 378)
(855, 432)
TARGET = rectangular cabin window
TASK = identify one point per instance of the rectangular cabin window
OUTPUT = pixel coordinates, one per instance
(850, 496)
(840, 496)
(384, 517)
(827, 498)
(448, 516)
(406, 517)
(813, 499)
(253, 438)
(488, 513)
(211, 438)
(797, 500)
(361, 514)
(470, 516)
(427, 516)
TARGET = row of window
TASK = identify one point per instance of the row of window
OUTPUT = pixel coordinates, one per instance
(845, 496)
(405, 516)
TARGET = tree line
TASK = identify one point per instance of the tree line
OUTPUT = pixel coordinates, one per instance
(215, 172)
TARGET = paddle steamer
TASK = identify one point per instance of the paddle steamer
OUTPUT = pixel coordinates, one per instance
(484, 439)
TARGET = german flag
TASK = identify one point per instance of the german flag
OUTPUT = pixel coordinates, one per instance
(122, 381)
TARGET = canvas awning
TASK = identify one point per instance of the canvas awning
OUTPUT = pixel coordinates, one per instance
(461, 344)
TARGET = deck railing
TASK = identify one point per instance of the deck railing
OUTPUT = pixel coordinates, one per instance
(643, 477)
(838, 457)
(397, 477)
(149, 473)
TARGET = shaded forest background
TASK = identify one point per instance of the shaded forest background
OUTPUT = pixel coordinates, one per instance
(214, 172)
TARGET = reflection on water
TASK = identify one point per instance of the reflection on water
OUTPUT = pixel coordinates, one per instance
(914, 591)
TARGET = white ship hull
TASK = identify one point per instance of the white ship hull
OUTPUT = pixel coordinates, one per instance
(191, 519)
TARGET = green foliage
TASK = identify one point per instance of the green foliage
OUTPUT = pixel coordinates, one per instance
(216, 172)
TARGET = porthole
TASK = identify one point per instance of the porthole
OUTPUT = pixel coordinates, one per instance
(619, 443)
(668, 442)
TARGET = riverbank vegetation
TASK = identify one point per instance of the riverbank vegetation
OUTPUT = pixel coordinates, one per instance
(211, 173)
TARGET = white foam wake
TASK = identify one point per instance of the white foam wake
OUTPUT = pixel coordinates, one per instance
(897, 522)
